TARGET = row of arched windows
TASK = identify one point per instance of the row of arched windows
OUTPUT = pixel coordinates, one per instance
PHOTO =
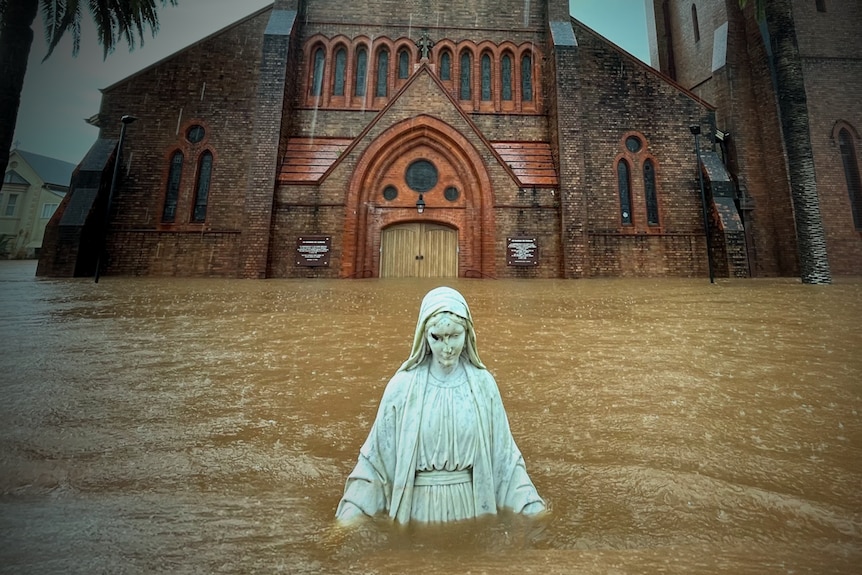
(174, 188)
(364, 73)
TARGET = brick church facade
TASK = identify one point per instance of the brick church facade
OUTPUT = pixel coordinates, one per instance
(484, 139)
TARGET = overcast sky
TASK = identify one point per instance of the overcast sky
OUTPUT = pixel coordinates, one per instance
(64, 90)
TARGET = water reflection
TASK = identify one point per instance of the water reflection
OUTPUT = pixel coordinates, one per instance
(194, 426)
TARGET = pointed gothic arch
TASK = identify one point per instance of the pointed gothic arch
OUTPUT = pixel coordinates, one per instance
(383, 164)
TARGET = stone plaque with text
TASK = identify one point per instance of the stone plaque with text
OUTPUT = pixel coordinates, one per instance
(522, 251)
(313, 251)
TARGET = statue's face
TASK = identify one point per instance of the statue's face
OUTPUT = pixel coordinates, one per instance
(446, 340)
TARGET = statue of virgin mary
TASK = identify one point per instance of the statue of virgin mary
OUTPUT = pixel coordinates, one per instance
(440, 448)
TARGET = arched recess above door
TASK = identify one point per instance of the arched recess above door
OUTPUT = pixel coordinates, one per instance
(383, 166)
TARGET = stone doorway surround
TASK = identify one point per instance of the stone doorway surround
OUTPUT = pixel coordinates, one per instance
(382, 193)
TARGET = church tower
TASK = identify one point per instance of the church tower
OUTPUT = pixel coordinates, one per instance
(788, 120)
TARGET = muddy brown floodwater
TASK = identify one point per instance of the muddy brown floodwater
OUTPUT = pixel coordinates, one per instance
(208, 426)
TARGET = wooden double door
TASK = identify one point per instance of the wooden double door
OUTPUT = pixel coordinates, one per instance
(419, 250)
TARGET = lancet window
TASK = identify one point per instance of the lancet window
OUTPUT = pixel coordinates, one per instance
(202, 189)
(466, 63)
(339, 77)
(650, 193)
(172, 191)
(361, 71)
(381, 89)
(506, 78)
(445, 65)
(624, 185)
(317, 72)
(527, 78)
(403, 64)
(486, 77)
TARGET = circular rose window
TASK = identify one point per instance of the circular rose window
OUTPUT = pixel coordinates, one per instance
(421, 176)
(195, 134)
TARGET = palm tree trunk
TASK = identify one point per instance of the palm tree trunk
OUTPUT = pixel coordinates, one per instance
(16, 37)
(793, 111)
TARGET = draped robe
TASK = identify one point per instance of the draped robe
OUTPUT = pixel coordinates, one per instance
(383, 479)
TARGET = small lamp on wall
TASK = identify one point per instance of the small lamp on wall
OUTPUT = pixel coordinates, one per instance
(420, 204)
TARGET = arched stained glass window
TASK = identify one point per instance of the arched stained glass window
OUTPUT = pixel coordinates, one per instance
(851, 175)
(172, 193)
(466, 63)
(486, 77)
(506, 77)
(527, 78)
(340, 68)
(403, 64)
(650, 193)
(202, 189)
(445, 66)
(317, 73)
(382, 73)
(625, 189)
(361, 72)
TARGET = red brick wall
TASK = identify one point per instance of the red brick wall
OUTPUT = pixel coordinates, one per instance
(212, 83)
(623, 97)
(831, 50)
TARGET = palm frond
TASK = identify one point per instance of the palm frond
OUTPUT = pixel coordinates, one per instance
(115, 20)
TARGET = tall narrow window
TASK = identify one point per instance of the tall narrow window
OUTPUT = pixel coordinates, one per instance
(624, 184)
(445, 66)
(403, 64)
(361, 72)
(694, 25)
(465, 75)
(340, 67)
(202, 189)
(650, 193)
(486, 77)
(506, 77)
(851, 174)
(382, 73)
(172, 193)
(317, 74)
(11, 204)
(527, 78)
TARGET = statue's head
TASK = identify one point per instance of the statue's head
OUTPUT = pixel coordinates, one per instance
(442, 304)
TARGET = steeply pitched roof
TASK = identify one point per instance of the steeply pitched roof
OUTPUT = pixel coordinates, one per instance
(52, 171)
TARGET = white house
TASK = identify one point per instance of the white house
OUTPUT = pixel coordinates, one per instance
(33, 187)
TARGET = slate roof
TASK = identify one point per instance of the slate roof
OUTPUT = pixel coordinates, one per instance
(52, 171)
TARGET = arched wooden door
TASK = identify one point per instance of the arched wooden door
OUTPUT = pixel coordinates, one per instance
(419, 250)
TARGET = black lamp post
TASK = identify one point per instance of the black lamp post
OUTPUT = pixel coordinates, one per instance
(125, 120)
(420, 204)
(695, 130)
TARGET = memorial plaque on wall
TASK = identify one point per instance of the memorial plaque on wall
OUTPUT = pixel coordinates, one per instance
(522, 251)
(312, 251)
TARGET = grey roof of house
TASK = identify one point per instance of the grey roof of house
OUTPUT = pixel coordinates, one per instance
(52, 171)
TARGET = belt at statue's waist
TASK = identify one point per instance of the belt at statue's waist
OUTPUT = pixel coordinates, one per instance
(442, 477)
